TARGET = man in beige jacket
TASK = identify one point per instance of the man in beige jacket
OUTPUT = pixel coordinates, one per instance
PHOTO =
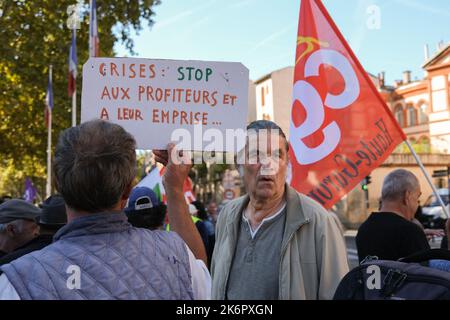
(275, 243)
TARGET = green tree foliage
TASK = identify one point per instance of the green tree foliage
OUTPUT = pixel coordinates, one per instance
(34, 35)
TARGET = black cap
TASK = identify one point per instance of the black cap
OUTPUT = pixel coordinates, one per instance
(17, 209)
(53, 211)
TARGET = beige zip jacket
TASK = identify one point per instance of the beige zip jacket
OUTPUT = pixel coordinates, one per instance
(313, 254)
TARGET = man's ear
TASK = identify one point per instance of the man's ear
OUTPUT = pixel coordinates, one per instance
(126, 195)
(288, 177)
(406, 197)
(11, 230)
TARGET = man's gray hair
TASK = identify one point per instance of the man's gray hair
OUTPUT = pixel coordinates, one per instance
(94, 164)
(397, 183)
(258, 125)
(254, 128)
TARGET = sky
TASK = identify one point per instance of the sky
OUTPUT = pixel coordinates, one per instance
(261, 34)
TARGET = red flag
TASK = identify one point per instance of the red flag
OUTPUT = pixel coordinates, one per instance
(188, 189)
(341, 129)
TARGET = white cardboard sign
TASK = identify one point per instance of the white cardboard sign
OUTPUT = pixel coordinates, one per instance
(152, 98)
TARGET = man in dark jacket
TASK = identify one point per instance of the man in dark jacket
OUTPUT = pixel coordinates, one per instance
(390, 234)
(52, 218)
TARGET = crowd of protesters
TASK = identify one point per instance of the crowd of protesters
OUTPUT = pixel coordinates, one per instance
(272, 243)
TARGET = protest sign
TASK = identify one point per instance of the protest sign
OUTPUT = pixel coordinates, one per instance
(151, 99)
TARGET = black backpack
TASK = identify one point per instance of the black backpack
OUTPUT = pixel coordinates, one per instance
(408, 279)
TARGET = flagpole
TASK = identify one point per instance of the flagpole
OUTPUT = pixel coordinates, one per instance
(90, 28)
(74, 95)
(427, 176)
(74, 108)
(49, 144)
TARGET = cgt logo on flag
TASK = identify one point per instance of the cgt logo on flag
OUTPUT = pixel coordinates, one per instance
(341, 129)
(310, 98)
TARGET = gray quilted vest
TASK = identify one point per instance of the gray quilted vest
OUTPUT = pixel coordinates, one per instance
(114, 260)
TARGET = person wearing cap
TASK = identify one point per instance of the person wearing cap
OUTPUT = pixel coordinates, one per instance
(144, 210)
(51, 219)
(18, 224)
(98, 254)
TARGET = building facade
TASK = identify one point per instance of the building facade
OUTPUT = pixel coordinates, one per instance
(422, 108)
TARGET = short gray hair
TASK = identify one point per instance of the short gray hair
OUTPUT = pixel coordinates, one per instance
(397, 183)
(267, 125)
(94, 164)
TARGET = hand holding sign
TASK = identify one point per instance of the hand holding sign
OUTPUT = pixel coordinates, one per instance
(177, 163)
(159, 101)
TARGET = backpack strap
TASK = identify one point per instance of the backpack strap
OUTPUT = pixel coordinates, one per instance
(392, 282)
(426, 255)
